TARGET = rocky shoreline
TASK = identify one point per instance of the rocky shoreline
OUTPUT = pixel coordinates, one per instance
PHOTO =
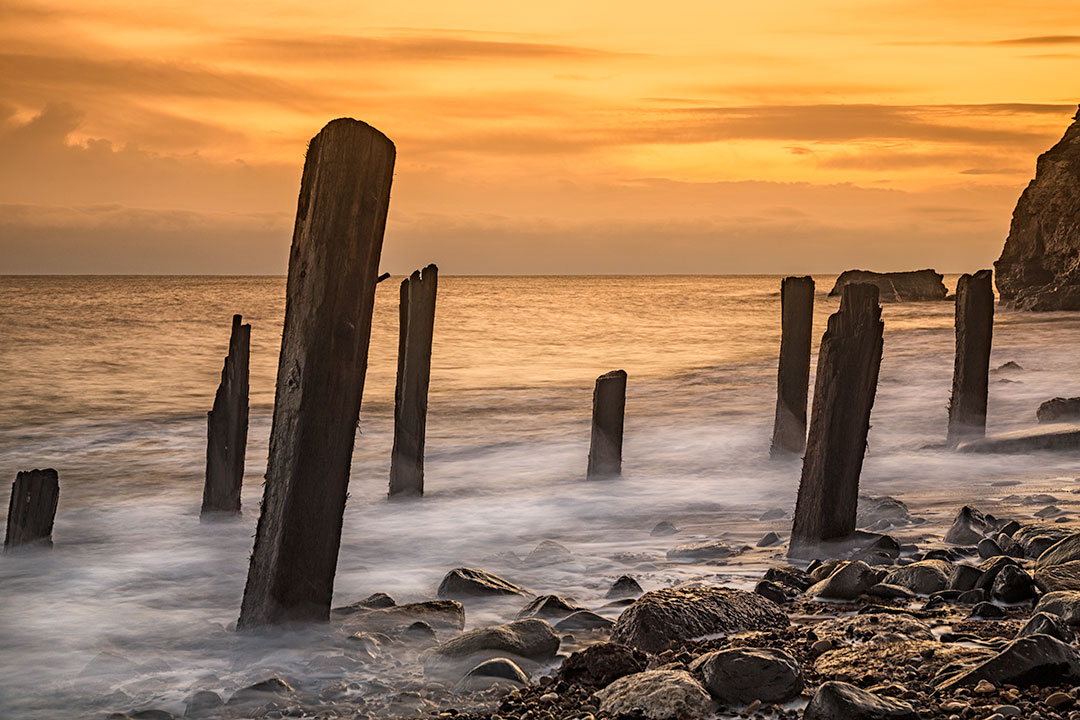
(920, 619)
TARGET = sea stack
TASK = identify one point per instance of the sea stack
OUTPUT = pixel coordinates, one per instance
(1039, 268)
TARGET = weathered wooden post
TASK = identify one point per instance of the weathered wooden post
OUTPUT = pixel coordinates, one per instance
(227, 426)
(333, 265)
(847, 374)
(609, 406)
(793, 374)
(415, 329)
(971, 371)
(32, 509)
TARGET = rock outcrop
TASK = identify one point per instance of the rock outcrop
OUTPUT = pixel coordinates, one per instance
(1039, 268)
(897, 286)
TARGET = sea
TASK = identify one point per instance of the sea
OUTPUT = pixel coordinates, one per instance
(109, 379)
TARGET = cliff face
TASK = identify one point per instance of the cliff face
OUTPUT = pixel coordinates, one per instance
(1039, 269)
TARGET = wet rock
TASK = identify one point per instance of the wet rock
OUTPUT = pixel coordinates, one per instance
(987, 611)
(1013, 585)
(151, 714)
(881, 512)
(1049, 511)
(419, 634)
(771, 591)
(656, 695)
(601, 664)
(768, 540)
(261, 692)
(624, 587)
(1063, 551)
(202, 703)
(869, 660)
(1059, 409)
(1034, 659)
(989, 548)
(1065, 604)
(548, 607)
(532, 639)
(923, 577)
(907, 286)
(664, 528)
(990, 570)
(439, 614)
(890, 592)
(847, 581)
(874, 627)
(840, 701)
(464, 583)
(1042, 623)
(660, 618)
(1037, 538)
(968, 528)
(742, 675)
(971, 597)
(790, 576)
(493, 672)
(773, 514)
(371, 602)
(963, 577)
(1065, 576)
(704, 550)
(548, 552)
(583, 620)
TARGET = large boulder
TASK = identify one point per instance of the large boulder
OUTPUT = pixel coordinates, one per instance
(1037, 538)
(1058, 410)
(742, 675)
(1046, 624)
(662, 618)
(465, 583)
(1033, 659)
(497, 671)
(438, 614)
(840, 701)
(602, 664)
(873, 662)
(847, 581)
(656, 695)
(969, 527)
(874, 627)
(1039, 267)
(1061, 552)
(1065, 576)
(896, 286)
(1063, 603)
(923, 577)
(530, 639)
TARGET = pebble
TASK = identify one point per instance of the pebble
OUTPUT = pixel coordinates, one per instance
(1059, 700)
(1007, 710)
(549, 698)
(985, 687)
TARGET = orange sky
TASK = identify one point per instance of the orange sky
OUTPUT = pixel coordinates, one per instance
(565, 137)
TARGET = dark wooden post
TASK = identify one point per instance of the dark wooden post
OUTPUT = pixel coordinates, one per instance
(847, 374)
(609, 406)
(32, 509)
(227, 426)
(793, 374)
(415, 329)
(333, 265)
(971, 372)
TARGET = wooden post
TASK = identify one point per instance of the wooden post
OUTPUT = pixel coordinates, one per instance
(227, 426)
(32, 509)
(415, 329)
(609, 406)
(971, 372)
(793, 374)
(847, 374)
(333, 265)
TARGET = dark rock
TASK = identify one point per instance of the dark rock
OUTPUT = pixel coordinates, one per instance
(923, 577)
(548, 607)
(881, 512)
(989, 548)
(201, 703)
(988, 611)
(1049, 511)
(971, 597)
(772, 591)
(601, 664)
(465, 583)
(1057, 437)
(1034, 659)
(532, 639)
(494, 671)
(663, 529)
(991, 568)
(874, 627)
(968, 528)
(439, 614)
(1013, 585)
(789, 576)
(548, 552)
(1046, 624)
(661, 618)
(909, 286)
(1059, 410)
(1039, 267)
(773, 514)
(963, 577)
(1066, 550)
(1009, 528)
(583, 620)
(742, 675)
(261, 692)
(1065, 604)
(371, 602)
(656, 695)
(890, 592)
(840, 701)
(847, 581)
(151, 714)
(1065, 576)
(768, 540)
(624, 587)
(1037, 538)
(704, 550)
(420, 633)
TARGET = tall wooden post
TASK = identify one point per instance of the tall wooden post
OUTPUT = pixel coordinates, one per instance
(793, 374)
(227, 426)
(415, 329)
(333, 265)
(971, 372)
(847, 374)
(609, 406)
(32, 509)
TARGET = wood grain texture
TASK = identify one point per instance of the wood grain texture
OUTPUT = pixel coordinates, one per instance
(227, 427)
(32, 508)
(971, 371)
(793, 372)
(609, 406)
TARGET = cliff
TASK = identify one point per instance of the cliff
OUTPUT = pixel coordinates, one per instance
(1039, 268)
(898, 286)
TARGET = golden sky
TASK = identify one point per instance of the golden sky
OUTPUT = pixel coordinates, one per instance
(560, 137)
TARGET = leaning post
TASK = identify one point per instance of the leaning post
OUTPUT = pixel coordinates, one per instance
(415, 329)
(848, 363)
(227, 426)
(793, 374)
(32, 509)
(971, 371)
(330, 294)
(609, 406)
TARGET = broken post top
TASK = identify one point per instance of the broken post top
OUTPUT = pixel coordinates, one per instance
(421, 275)
(613, 375)
(859, 306)
(979, 276)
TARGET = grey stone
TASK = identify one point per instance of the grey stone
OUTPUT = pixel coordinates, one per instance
(656, 695)
(742, 675)
(840, 701)
(466, 583)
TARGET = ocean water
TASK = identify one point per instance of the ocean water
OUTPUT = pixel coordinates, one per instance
(108, 380)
